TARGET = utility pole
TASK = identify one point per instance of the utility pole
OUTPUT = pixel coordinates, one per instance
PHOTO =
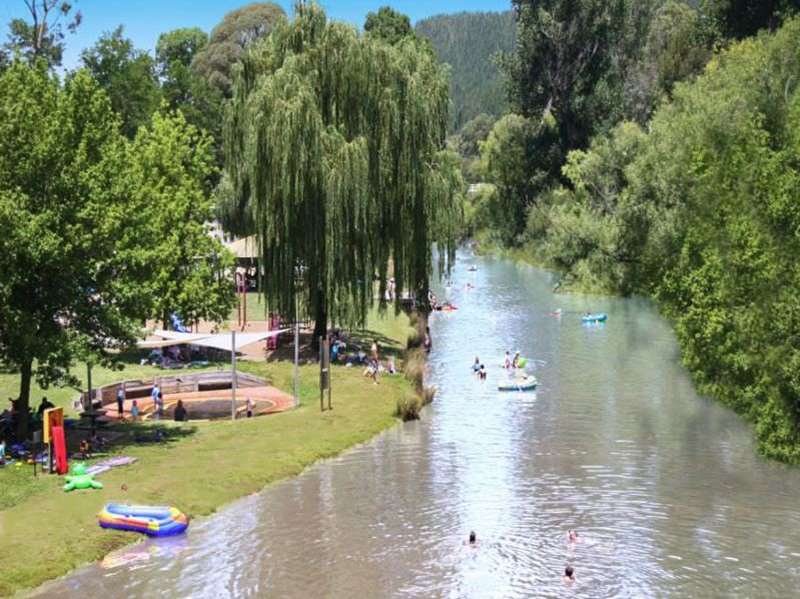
(233, 375)
(296, 353)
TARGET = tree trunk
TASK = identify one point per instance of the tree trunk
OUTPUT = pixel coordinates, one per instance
(24, 400)
(320, 325)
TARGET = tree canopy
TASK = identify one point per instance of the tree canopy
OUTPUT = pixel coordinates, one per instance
(41, 38)
(91, 227)
(128, 77)
(388, 24)
(239, 29)
(335, 146)
(69, 271)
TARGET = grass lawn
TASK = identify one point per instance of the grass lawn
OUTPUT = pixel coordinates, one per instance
(201, 467)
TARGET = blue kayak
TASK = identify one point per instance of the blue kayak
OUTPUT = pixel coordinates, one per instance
(595, 318)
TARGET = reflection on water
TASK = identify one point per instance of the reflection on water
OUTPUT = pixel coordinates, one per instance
(662, 485)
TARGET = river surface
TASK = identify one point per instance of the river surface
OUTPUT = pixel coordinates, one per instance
(663, 486)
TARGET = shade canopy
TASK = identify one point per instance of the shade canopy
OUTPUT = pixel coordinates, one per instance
(222, 341)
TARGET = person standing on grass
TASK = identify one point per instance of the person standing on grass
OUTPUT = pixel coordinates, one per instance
(376, 361)
(155, 394)
(120, 401)
(180, 412)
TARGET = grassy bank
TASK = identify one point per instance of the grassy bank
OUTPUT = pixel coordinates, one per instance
(45, 533)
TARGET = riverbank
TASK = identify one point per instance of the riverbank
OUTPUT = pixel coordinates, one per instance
(45, 533)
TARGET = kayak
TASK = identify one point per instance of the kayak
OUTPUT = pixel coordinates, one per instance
(156, 521)
(529, 383)
(595, 318)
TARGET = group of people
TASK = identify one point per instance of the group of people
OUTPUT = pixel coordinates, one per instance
(374, 366)
(572, 540)
(179, 413)
(510, 363)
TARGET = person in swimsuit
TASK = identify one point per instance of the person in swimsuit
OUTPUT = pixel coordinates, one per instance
(569, 575)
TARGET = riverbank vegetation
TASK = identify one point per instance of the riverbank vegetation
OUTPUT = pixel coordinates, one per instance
(665, 162)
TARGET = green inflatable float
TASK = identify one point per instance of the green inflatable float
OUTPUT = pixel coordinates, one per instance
(78, 479)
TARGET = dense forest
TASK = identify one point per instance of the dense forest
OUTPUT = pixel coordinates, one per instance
(664, 161)
(469, 42)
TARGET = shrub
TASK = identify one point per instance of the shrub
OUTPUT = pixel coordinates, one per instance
(408, 407)
(415, 367)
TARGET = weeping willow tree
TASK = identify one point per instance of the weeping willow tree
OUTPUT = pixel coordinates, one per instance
(336, 162)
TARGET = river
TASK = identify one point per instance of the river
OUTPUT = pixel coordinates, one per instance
(663, 486)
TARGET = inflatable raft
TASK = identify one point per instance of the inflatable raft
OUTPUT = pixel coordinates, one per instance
(529, 383)
(155, 521)
(595, 318)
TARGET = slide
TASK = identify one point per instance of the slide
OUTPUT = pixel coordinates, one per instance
(60, 448)
(178, 325)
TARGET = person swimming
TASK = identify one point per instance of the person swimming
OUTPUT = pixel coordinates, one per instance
(569, 575)
(473, 538)
(482, 373)
(572, 536)
(476, 366)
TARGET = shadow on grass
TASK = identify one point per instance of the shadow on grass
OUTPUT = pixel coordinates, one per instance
(117, 437)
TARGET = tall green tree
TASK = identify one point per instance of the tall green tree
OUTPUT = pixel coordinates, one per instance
(127, 75)
(336, 152)
(239, 29)
(520, 157)
(70, 265)
(184, 89)
(42, 37)
(388, 24)
(170, 164)
(563, 51)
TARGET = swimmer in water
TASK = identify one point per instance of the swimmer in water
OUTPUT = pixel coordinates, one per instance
(572, 536)
(476, 366)
(482, 373)
(473, 539)
(569, 575)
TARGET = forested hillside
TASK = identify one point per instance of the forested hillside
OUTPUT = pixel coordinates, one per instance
(468, 42)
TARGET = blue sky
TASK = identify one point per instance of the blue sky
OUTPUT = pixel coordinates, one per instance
(144, 20)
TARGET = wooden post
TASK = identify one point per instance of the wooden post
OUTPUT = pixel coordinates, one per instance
(329, 369)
